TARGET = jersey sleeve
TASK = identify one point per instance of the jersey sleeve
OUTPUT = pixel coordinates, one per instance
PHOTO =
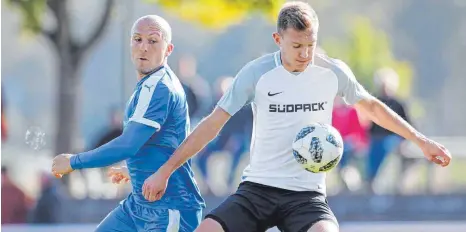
(153, 105)
(123, 147)
(241, 92)
(348, 87)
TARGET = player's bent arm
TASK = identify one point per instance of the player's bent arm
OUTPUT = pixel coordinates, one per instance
(124, 146)
(205, 132)
(383, 116)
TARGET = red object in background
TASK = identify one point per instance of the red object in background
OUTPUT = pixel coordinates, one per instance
(4, 128)
(346, 120)
(14, 201)
(4, 122)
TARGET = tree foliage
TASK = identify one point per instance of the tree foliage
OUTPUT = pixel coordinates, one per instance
(219, 14)
(366, 50)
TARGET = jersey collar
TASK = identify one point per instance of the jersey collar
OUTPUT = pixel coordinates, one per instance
(150, 74)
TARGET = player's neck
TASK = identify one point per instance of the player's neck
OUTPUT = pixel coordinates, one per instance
(293, 70)
(142, 75)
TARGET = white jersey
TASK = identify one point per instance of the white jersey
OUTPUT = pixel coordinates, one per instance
(283, 103)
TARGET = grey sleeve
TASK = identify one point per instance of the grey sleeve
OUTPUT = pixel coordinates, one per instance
(241, 92)
(348, 87)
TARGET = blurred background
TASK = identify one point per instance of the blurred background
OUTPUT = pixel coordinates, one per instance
(66, 76)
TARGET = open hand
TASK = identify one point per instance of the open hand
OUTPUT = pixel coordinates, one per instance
(119, 175)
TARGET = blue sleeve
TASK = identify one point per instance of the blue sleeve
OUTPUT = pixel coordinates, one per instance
(126, 145)
(241, 92)
(153, 104)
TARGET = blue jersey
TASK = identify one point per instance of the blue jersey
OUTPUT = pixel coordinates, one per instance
(159, 101)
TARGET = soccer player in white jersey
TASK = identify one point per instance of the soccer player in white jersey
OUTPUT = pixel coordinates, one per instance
(287, 89)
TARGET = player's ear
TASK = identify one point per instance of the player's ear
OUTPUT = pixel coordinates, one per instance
(169, 51)
(277, 38)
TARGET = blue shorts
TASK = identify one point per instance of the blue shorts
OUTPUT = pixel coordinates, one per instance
(130, 216)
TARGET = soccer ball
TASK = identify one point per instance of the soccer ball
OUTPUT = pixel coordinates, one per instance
(318, 147)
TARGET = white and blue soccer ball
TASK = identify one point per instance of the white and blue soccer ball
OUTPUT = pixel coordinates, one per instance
(318, 147)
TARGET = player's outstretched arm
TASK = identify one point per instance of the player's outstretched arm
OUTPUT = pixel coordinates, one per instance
(124, 146)
(154, 186)
(382, 115)
(379, 113)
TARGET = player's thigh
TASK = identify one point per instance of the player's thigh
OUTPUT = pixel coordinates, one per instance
(324, 226)
(250, 209)
(117, 221)
(303, 211)
(234, 214)
(209, 225)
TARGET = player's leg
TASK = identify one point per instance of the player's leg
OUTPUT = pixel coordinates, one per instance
(248, 210)
(117, 221)
(210, 225)
(238, 148)
(324, 226)
(306, 211)
(376, 152)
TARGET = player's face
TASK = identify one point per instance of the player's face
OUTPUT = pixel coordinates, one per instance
(148, 48)
(297, 48)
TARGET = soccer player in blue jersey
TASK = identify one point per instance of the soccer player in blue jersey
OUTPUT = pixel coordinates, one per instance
(156, 122)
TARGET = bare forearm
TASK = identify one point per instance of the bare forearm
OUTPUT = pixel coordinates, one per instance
(195, 142)
(383, 116)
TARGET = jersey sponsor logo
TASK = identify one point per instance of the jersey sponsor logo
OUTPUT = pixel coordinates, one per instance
(293, 108)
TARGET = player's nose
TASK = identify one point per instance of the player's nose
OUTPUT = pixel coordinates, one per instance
(304, 53)
(143, 47)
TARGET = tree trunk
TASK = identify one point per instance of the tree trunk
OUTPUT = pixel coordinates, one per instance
(67, 107)
(68, 63)
(67, 88)
(70, 54)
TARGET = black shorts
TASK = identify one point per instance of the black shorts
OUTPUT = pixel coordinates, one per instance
(256, 208)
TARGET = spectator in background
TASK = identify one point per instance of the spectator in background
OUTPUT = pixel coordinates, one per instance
(346, 120)
(236, 132)
(382, 141)
(47, 209)
(197, 89)
(115, 129)
(4, 123)
(234, 137)
(14, 201)
(193, 104)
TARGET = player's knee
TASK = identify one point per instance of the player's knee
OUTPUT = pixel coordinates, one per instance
(324, 226)
(209, 225)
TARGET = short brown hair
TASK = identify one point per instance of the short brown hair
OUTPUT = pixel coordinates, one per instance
(297, 15)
